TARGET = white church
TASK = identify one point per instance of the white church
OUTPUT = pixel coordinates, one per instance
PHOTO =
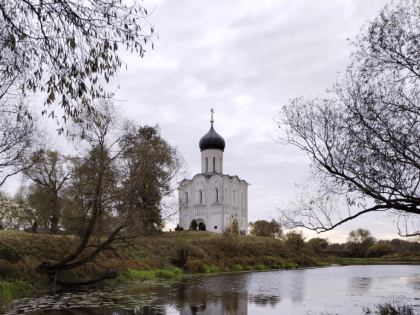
(214, 199)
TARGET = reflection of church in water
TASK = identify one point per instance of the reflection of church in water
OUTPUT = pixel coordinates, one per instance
(215, 200)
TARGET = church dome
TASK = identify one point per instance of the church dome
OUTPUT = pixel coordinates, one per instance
(212, 140)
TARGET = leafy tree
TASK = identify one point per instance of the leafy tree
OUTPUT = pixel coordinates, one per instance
(265, 229)
(36, 207)
(67, 48)
(363, 138)
(10, 212)
(115, 188)
(359, 242)
(317, 244)
(294, 239)
(51, 170)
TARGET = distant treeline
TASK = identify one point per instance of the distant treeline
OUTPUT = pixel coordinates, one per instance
(361, 244)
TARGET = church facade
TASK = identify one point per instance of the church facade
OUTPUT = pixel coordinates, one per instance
(214, 199)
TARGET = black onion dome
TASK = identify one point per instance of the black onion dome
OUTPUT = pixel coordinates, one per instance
(212, 140)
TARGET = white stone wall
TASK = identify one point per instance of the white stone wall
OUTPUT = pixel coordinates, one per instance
(215, 208)
(207, 157)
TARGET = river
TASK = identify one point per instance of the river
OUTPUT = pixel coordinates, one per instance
(331, 290)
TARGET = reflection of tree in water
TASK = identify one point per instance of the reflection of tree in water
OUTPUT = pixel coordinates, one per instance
(144, 310)
(195, 309)
(414, 282)
(360, 285)
(264, 300)
(297, 285)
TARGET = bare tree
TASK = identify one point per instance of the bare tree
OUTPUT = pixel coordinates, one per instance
(66, 48)
(363, 139)
(19, 140)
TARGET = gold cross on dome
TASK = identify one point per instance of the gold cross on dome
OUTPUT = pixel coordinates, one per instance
(212, 112)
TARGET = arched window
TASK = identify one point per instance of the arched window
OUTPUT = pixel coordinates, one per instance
(200, 196)
(186, 198)
(217, 194)
(214, 164)
(226, 196)
(234, 197)
(207, 164)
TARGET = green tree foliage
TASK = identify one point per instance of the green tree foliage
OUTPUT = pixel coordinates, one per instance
(265, 229)
(359, 242)
(117, 190)
(363, 137)
(380, 249)
(67, 49)
(50, 170)
(317, 244)
(294, 240)
(36, 207)
(11, 212)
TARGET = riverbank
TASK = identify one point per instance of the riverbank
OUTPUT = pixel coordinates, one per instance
(206, 252)
(385, 260)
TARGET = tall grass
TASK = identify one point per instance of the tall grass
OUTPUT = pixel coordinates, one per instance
(12, 289)
(142, 275)
(393, 308)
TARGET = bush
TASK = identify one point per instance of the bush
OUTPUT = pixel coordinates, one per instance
(193, 225)
(380, 249)
(9, 253)
(179, 228)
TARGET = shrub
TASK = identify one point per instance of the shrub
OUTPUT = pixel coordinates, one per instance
(193, 225)
(380, 249)
(179, 228)
(9, 253)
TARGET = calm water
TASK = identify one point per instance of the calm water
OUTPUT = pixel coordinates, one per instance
(336, 290)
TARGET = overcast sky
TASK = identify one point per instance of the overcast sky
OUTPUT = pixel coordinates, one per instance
(245, 59)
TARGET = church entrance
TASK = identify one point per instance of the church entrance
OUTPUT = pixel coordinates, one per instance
(201, 226)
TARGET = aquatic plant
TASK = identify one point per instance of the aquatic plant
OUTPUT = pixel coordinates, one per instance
(13, 288)
(393, 308)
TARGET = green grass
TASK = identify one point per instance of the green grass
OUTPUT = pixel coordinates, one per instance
(323, 264)
(12, 289)
(259, 267)
(142, 275)
(210, 269)
(236, 268)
